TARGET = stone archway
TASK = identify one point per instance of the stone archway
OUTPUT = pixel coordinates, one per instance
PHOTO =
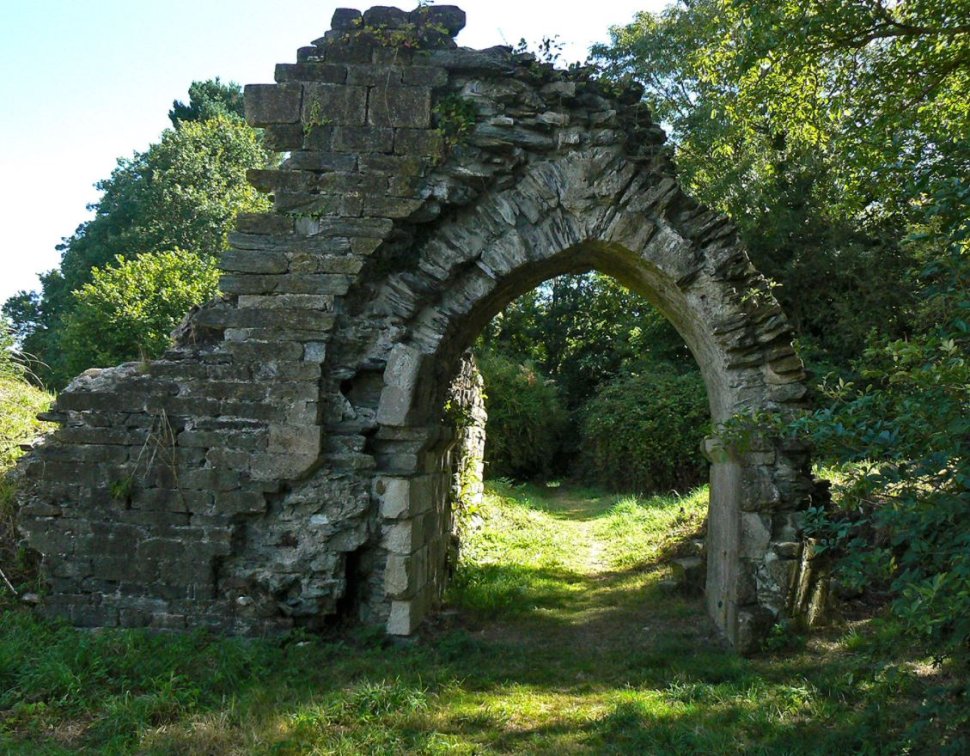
(288, 459)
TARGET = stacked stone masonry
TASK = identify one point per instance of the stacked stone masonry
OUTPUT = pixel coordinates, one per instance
(291, 458)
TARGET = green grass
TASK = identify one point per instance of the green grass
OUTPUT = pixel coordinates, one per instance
(19, 404)
(559, 636)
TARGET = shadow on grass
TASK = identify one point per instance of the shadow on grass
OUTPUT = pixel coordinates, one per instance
(124, 691)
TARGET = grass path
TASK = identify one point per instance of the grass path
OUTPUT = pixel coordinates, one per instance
(559, 636)
(581, 568)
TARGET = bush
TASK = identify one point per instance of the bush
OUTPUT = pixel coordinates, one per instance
(129, 309)
(526, 419)
(642, 432)
(19, 404)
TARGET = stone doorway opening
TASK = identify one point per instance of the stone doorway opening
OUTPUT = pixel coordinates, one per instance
(420, 453)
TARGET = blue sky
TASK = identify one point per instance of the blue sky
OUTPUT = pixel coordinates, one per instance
(85, 82)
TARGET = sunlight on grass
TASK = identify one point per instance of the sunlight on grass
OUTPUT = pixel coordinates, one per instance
(540, 549)
(566, 640)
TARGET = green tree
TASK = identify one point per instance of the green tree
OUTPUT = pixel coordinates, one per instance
(208, 99)
(129, 309)
(583, 333)
(583, 330)
(810, 124)
(526, 418)
(184, 192)
(642, 432)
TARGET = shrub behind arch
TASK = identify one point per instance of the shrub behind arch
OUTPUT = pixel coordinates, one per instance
(642, 432)
(526, 419)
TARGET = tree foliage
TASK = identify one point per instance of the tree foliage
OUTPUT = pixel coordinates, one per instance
(587, 335)
(207, 100)
(582, 331)
(812, 125)
(184, 193)
(526, 418)
(128, 310)
(642, 432)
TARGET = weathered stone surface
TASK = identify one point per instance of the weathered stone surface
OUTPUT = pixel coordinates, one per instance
(451, 17)
(688, 574)
(345, 19)
(268, 104)
(325, 104)
(293, 446)
(400, 107)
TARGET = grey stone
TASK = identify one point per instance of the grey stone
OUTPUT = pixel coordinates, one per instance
(399, 106)
(268, 104)
(345, 19)
(325, 104)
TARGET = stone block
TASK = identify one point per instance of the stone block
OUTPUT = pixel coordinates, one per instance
(310, 263)
(393, 166)
(312, 71)
(269, 467)
(348, 52)
(325, 104)
(405, 575)
(283, 137)
(321, 302)
(451, 18)
(385, 17)
(391, 207)
(252, 261)
(317, 138)
(267, 180)
(371, 75)
(755, 535)
(232, 503)
(753, 623)
(407, 535)
(269, 104)
(363, 139)
(399, 107)
(345, 19)
(343, 227)
(315, 160)
(343, 182)
(308, 53)
(689, 574)
(425, 76)
(400, 381)
(405, 616)
(781, 573)
(324, 205)
(404, 497)
(166, 621)
(321, 283)
(295, 439)
(269, 224)
(418, 142)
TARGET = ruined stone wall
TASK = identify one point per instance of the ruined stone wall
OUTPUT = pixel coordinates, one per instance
(290, 458)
